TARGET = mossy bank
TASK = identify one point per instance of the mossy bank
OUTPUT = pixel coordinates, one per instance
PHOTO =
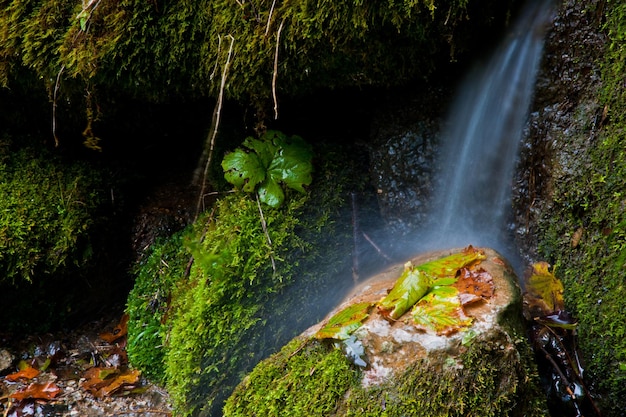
(208, 305)
(53, 247)
(155, 48)
(577, 198)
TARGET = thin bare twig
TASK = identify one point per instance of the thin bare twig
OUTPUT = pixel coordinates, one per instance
(269, 18)
(355, 240)
(267, 236)
(379, 250)
(280, 28)
(54, 106)
(302, 346)
(214, 127)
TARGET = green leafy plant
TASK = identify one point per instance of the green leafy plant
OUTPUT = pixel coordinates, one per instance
(267, 164)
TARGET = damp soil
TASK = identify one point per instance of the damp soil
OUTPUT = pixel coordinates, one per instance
(65, 360)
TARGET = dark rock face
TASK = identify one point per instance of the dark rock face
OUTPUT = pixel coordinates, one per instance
(403, 168)
(565, 117)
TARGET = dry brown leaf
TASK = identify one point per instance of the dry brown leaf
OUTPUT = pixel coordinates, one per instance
(474, 285)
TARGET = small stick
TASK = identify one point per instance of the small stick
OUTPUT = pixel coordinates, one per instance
(264, 225)
(355, 240)
(561, 374)
(380, 252)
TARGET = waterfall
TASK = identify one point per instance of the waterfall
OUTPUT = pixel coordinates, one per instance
(481, 137)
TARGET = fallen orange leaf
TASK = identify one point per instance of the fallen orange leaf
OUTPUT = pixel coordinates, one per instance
(102, 382)
(26, 373)
(37, 391)
(118, 332)
(474, 285)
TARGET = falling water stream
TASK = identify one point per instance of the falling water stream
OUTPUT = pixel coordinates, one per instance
(481, 137)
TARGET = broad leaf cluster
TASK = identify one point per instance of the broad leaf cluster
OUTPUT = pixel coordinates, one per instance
(268, 164)
(435, 292)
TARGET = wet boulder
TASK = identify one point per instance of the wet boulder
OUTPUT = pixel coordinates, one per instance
(442, 334)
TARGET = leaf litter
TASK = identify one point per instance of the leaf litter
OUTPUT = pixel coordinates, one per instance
(82, 373)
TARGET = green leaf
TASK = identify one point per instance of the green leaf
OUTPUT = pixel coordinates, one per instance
(271, 194)
(341, 325)
(292, 164)
(440, 313)
(412, 285)
(544, 291)
(269, 163)
(415, 282)
(448, 266)
(263, 148)
(243, 169)
(444, 292)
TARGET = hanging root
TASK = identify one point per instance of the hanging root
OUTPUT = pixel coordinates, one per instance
(275, 74)
(214, 129)
(269, 18)
(54, 106)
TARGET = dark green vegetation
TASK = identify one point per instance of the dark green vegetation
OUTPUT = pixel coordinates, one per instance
(47, 213)
(584, 235)
(51, 217)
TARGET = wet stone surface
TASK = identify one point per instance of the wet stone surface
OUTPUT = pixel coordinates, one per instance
(403, 168)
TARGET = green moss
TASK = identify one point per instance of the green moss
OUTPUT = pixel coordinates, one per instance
(152, 48)
(52, 240)
(303, 379)
(220, 306)
(149, 304)
(46, 213)
(307, 378)
(592, 199)
(231, 309)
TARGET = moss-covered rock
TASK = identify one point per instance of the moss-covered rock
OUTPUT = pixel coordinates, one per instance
(483, 370)
(154, 48)
(576, 185)
(51, 213)
(208, 305)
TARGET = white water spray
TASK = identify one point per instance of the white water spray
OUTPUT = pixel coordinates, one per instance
(481, 139)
